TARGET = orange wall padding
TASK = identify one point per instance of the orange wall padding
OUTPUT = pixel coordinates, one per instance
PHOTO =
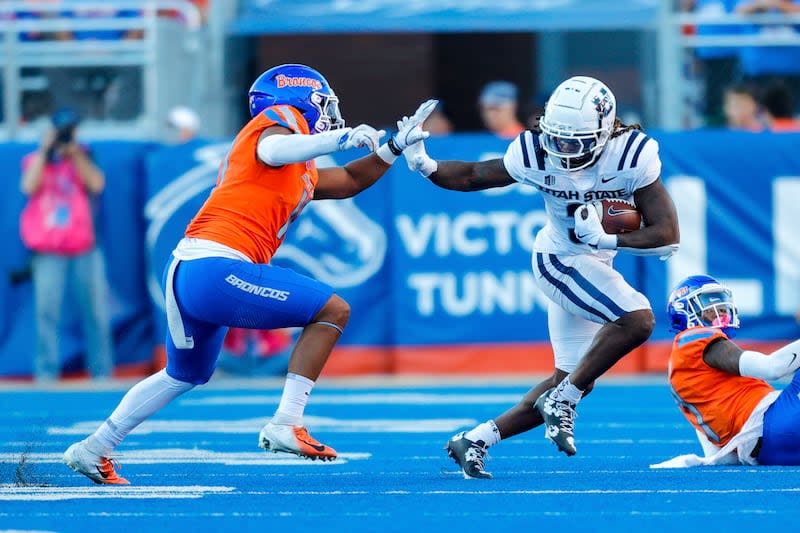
(497, 359)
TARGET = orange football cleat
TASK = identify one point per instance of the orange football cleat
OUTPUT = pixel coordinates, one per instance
(294, 439)
(96, 467)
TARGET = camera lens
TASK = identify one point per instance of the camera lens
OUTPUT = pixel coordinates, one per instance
(64, 136)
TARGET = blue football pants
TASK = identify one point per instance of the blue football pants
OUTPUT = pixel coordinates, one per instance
(780, 444)
(204, 297)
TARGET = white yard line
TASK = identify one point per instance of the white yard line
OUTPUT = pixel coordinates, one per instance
(542, 492)
(193, 456)
(14, 493)
(385, 398)
(252, 425)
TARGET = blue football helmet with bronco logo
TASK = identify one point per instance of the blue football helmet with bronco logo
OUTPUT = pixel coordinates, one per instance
(301, 87)
(702, 301)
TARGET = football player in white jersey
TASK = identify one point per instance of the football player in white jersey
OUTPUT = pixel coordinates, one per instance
(579, 153)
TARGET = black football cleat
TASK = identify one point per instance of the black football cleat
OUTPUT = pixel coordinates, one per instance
(469, 455)
(559, 421)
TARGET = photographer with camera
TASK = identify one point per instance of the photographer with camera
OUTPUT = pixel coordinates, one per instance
(57, 225)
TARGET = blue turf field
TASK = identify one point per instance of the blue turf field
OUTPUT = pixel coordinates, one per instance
(196, 467)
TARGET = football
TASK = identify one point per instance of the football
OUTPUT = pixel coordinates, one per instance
(618, 216)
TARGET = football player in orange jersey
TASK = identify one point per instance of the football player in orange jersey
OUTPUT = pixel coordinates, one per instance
(220, 274)
(720, 388)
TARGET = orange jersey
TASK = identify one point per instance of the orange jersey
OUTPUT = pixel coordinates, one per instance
(715, 402)
(253, 204)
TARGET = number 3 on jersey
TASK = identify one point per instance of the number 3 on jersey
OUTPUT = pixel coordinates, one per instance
(571, 208)
(307, 196)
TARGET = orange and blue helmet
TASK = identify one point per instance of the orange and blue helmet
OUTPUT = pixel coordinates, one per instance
(702, 301)
(301, 87)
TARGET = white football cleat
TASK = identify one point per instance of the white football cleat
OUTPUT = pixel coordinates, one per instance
(96, 467)
(294, 439)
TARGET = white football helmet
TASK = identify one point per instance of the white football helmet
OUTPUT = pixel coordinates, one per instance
(577, 122)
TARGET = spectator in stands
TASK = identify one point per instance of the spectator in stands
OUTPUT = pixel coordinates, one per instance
(778, 102)
(89, 13)
(35, 99)
(720, 65)
(22, 16)
(498, 106)
(33, 11)
(61, 180)
(184, 123)
(438, 123)
(741, 108)
(100, 92)
(765, 63)
(534, 111)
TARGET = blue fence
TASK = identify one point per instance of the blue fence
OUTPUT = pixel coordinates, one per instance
(425, 266)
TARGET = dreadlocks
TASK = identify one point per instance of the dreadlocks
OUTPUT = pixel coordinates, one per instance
(620, 128)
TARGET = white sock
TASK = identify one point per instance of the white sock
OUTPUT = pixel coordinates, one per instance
(487, 432)
(566, 391)
(296, 391)
(142, 401)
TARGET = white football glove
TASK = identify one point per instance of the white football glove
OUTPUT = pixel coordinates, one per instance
(662, 252)
(590, 231)
(409, 133)
(361, 136)
(418, 159)
(671, 249)
(409, 129)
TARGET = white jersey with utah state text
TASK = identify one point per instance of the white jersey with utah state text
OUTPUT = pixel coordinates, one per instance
(627, 163)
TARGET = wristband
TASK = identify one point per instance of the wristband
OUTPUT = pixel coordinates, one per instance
(393, 146)
(385, 152)
(607, 242)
